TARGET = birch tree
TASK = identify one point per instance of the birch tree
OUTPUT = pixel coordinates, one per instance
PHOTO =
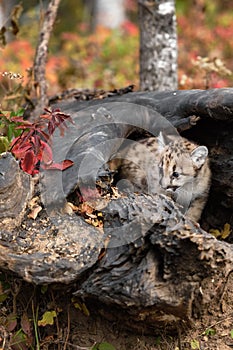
(158, 45)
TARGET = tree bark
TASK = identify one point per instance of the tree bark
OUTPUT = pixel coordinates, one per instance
(205, 116)
(5, 10)
(41, 56)
(158, 45)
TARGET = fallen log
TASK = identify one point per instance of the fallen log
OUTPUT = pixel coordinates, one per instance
(149, 261)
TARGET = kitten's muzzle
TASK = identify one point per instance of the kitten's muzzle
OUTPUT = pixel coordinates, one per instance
(169, 188)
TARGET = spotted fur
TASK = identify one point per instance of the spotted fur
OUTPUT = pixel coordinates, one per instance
(171, 165)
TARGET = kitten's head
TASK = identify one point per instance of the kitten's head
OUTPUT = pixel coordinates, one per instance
(180, 162)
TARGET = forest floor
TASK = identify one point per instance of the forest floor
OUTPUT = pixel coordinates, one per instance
(50, 318)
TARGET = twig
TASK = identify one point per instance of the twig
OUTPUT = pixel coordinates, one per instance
(223, 319)
(35, 323)
(68, 328)
(76, 347)
(56, 318)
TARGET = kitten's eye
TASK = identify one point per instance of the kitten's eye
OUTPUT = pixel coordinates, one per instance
(175, 174)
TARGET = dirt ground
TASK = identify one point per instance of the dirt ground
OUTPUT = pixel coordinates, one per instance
(81, 326)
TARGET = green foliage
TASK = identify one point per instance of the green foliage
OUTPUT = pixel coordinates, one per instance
(19, 340)
(4, 144)
(8, 126)
(195, 345)
(103, 346)
(80, 306)
(44, 288)
(209, 332)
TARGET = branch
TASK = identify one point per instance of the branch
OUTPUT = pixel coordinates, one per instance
(42, 55)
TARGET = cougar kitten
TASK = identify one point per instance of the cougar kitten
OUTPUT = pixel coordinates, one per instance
(171, 165)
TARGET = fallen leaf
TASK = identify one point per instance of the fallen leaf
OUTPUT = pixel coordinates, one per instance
(11, 322)
(47, 318)
(25, 324)
(34, 212)
(223, 233)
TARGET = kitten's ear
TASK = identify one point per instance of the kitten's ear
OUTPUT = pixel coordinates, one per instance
(199, 156)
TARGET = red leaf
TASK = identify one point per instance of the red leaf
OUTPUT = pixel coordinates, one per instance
(51, 127)
(89, 194)
(29, 163)
(19, 149)
(36, 143)
(58, 166)
(56, 119)
(67, 163)
(21, 120)
(22, 127)
(46, 154)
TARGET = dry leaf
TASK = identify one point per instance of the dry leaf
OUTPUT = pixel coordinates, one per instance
(34, 212)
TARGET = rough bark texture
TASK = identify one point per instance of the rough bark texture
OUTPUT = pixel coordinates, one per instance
(15, 191)
(149, 261)
(158, 45)
(42, 55)
(159, 268)
(181, 109)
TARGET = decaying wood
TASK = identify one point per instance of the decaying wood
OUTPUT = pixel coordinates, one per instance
(15, 192)
(159, 266)
(149, 261)
(59, 249)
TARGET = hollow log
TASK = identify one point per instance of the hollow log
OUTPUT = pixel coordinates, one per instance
(204, 116)
(149, 261)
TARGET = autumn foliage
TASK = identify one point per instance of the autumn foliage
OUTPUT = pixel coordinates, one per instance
(110, 58)
(33, 146)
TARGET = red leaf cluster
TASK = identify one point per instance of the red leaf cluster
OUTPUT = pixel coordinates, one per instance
(33, 146)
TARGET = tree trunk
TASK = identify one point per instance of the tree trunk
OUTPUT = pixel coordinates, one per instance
(6, 7)
(5, 10)
(158, 45)
(41, 57)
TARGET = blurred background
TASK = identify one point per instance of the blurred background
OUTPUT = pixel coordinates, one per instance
(90, 48)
